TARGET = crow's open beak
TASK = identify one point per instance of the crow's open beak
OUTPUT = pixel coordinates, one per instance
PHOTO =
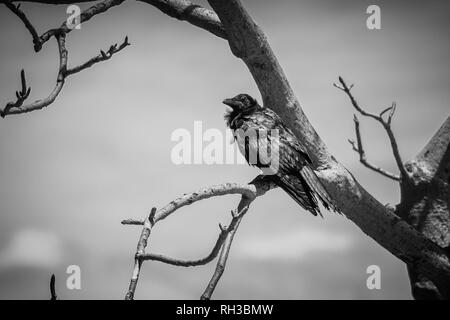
(230, 102)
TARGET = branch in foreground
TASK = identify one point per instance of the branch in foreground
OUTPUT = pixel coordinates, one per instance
(191, 263)
(142, 243)
(220, 267)
(257, 187)
(386, 125)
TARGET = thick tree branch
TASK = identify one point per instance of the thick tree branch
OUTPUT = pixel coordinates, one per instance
(194, 14)
(426, 204)
(385, 123)
(362, 155)
(248, 42)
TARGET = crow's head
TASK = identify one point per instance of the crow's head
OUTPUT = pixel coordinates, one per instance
(242, 104)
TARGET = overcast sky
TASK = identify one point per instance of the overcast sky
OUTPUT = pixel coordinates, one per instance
(101, 152)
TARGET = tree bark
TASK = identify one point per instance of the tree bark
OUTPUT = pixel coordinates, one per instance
(425, 204)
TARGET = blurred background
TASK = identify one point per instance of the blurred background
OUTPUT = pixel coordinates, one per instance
(102, 151)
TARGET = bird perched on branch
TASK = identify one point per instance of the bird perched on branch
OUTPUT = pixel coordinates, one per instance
(266, 142)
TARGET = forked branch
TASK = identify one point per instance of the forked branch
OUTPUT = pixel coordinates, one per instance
(386, 125)
(18, 107)
(257, 187)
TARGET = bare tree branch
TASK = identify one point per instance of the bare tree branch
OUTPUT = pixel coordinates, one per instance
(192, 13)
(86, 15)
(220, 267)
(224, 231)
(183, 10)
(386, 125)
(17, 107)
(16, 10)
(436, 154)
(362, 155)
(259, 186)
(54, 1)
(189, 263)
(103, 56)
(142, 244)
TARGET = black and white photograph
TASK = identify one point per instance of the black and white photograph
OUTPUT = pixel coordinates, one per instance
(249, 151)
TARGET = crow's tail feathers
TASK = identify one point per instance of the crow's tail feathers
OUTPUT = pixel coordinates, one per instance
(318, 190)
(299, 190)
(306, 189)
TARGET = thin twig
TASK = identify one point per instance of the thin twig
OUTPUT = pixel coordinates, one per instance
(196, 15)
(362, 155)
(16, 10)
(52, 288)
(103, 56)
(386, 125)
